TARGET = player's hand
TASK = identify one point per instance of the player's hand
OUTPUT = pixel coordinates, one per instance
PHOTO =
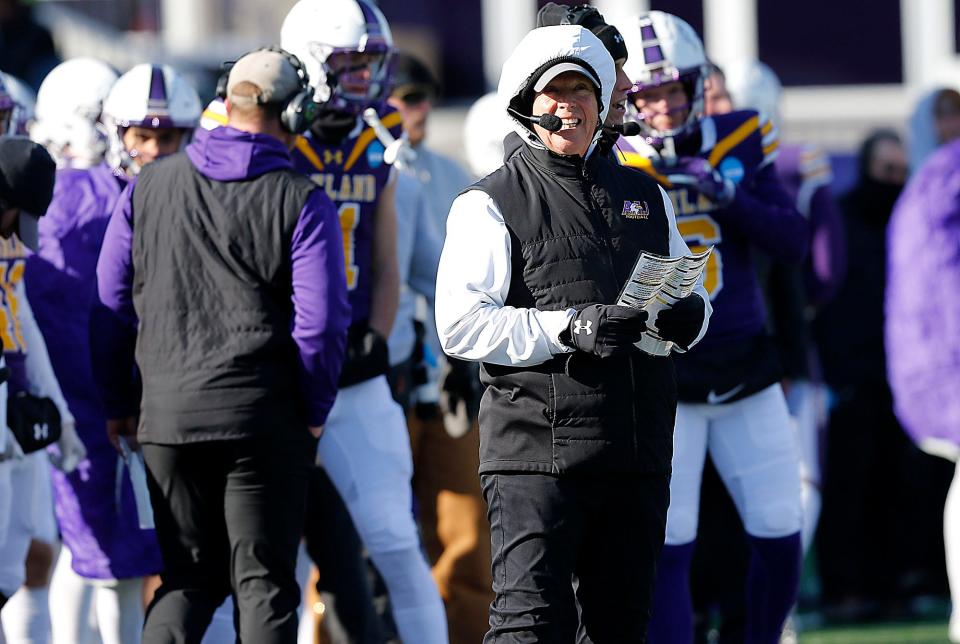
(70, 449)
(703, 177)
(367, 356)
(316, 431)
(126, 427)
(681, 322)
(605, 330)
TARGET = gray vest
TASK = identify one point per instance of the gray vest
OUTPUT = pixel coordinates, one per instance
(575, 237)
(212, 289)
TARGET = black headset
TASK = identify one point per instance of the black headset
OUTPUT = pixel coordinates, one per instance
(298, 111)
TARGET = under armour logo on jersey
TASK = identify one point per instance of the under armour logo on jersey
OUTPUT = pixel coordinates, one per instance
(580, 326)
(40, 431)
(636, 210)
(331, 157)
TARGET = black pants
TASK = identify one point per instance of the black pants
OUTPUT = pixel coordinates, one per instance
(574, 557)
(229, 516)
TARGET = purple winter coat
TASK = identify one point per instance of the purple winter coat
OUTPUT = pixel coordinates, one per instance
(923, 302)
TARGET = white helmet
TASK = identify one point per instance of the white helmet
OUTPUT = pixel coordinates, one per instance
(69, 105)
(754, 86)
(149, 96)
(484, 129)
(316, 29)
(665, 49)
(24, 102)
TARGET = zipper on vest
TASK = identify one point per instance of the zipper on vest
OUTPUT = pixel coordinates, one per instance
(598, 215)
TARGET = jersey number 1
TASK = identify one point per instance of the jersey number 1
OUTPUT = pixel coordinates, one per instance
(349, 220)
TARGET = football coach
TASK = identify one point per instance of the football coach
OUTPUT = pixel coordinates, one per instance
(576, 423)
(223, 269)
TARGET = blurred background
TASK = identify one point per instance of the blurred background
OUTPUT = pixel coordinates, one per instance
(848, 68)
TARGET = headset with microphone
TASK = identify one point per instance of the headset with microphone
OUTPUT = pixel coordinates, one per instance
(549, 122)
(299, 110)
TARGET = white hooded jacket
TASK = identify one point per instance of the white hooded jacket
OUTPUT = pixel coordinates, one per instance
(534, 54)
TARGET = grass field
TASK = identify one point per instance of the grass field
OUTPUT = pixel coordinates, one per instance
(913, 633)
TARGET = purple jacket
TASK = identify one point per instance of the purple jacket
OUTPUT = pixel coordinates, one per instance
(98, 526)
(321, 312)
(923, 301)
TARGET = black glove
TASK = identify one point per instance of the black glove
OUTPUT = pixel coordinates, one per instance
(681, 322)
(605, 330)
(459, 396)
(367, 356)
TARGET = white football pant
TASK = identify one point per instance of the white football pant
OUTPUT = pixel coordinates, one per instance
(754, 448)
(365, 448)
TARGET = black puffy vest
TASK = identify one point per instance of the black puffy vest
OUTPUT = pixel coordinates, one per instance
(572, 245)
(212, 289)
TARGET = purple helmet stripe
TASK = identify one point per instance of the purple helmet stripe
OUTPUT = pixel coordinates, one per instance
(652, 54)
(373, 25)
(157, 98)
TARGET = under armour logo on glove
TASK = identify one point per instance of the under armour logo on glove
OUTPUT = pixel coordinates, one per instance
(578, 327)
(40, 431)
(607, 330)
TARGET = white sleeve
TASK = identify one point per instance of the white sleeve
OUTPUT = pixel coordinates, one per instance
(41, 379)
(472, 283)
(679, 247)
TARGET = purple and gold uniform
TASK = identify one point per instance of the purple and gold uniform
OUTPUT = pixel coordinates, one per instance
(98, 522)
(761, 216)
(353, 174)
(365, 448)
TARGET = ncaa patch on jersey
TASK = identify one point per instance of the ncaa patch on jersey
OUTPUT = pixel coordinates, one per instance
(636, 210)
(375, 154)
(732, 168)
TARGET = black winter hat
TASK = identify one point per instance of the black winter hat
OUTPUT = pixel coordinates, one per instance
(411, 73)
(553, 14)
(26, 175)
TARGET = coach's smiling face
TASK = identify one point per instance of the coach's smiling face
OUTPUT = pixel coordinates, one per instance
(571, 97)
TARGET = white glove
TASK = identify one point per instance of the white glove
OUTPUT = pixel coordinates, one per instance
(71, 450)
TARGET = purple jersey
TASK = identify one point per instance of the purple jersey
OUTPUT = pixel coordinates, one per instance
(98, 522)
(353, 174)
(742, 148)
(806, 176)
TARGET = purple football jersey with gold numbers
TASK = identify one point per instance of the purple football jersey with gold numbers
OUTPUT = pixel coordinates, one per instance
(353, 174)
(742, 146)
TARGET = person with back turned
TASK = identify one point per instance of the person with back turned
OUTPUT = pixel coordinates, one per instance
(233, 264)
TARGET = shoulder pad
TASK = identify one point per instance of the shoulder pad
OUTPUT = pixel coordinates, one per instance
(745, 133)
